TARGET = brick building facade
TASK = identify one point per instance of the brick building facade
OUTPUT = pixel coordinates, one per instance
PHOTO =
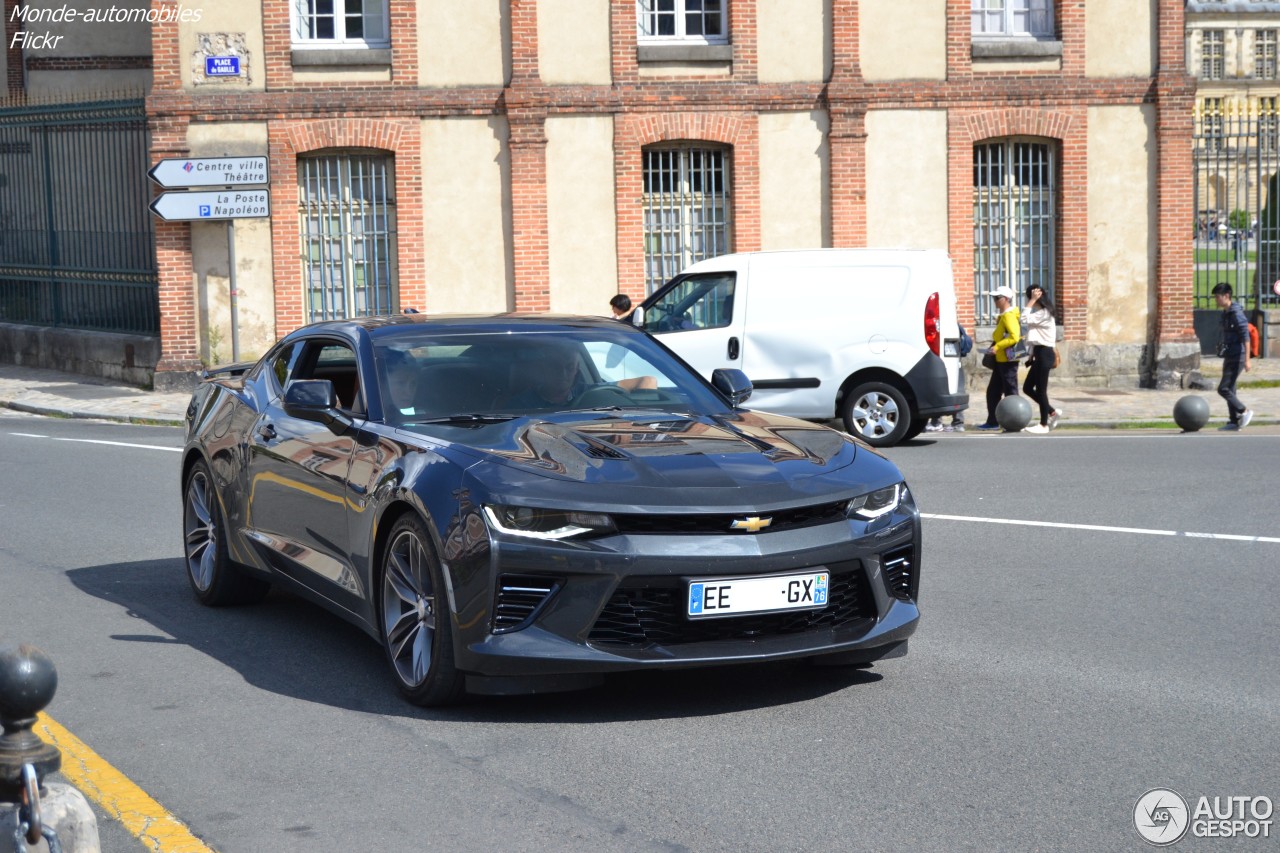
(545, 155)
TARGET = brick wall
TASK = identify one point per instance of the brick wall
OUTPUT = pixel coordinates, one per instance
(981, 102)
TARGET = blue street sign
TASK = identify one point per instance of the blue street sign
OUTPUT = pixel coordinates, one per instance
(222, 66)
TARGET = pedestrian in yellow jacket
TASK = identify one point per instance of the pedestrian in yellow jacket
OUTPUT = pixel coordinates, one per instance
(1008, 331)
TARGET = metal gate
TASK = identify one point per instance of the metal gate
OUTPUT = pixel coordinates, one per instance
(77, 247)
(1237, 200)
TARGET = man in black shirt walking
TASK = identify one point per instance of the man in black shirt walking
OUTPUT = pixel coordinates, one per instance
(1235, 354)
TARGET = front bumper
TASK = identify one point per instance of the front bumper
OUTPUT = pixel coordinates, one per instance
(617, 603)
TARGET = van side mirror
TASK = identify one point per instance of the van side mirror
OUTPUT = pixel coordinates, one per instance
(314, 400)
(637, 317)
(732, 384)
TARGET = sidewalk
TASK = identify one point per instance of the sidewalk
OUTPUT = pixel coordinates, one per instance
(49, 392)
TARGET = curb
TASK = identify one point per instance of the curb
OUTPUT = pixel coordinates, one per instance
(54, 412)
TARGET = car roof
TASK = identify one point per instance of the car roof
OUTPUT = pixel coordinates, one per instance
(391, 325)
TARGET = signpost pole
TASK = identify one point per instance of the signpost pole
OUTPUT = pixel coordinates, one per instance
(231, 266)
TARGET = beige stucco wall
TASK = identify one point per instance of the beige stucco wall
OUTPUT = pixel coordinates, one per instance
(795, 168)
(78, 37)
(467, 239)
(907, 179)
(1120, 39)
(236, 19)
(463, 43)
(573, 42)
(1122, 215)
(903, 39)
(255, 282)
(583, 262)
(793, 40)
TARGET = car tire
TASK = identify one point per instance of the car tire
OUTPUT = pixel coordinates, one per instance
(414, 616)
(917, 427)
(877, 413)
(215, 578)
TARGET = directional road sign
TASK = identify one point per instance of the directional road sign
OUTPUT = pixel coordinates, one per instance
(221, 204)
(209, 172)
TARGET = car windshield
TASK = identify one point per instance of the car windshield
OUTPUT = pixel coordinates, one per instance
(430, 375)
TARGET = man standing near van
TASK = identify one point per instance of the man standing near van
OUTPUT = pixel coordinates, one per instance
(1235, 354)
(1004, 376)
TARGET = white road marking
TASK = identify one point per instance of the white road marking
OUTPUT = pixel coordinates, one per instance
(1140, 530)
(99, 441)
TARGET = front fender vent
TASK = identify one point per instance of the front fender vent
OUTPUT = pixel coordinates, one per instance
(900, 573)
(518, 600)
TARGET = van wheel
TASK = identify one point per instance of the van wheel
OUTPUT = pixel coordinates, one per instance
(917, 427)
(877, 413)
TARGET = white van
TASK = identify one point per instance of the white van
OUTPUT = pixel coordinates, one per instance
(866, 335)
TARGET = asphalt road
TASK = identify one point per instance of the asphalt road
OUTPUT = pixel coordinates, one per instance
(1109, 643)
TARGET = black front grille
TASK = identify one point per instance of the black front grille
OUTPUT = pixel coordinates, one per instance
(519, 598)
(900, 573)
(783, 519)
(645, 611)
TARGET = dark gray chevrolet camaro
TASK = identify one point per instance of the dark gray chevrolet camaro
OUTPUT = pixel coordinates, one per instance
(516, 503)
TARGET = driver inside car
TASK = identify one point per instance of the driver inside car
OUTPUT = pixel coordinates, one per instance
(558, 381)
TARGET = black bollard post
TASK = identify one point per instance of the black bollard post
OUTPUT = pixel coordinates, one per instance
(28, 681)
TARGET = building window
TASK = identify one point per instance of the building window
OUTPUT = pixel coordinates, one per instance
(1212, 55)
(1014, 220)
(687, 210)
(348, 216)
(1212, 124)
(1012, 18)
(340, 23)
(697, 21)
(1264, 55)
(1268, 126)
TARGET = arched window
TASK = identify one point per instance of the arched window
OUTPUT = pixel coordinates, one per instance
(347, 209)
(687, 210)
(1014, 220)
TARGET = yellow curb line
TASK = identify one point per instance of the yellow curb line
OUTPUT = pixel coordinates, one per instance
(149, 821)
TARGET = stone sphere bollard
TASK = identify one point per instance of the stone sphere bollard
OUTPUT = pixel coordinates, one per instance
(1013, 413)
(1191, 412)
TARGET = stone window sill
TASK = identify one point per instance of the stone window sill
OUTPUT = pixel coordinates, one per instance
(343, 57)
(684, 52)
(1016, 48)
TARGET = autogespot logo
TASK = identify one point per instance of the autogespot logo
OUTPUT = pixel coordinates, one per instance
(1161, 816)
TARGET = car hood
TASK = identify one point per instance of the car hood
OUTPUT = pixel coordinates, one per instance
(657, 449)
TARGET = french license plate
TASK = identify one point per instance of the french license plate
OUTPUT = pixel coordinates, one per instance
(737, 596)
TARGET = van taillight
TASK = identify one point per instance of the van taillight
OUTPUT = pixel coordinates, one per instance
(931, 334)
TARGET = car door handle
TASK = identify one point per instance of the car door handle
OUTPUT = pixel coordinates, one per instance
(268, 432)
(733, 349)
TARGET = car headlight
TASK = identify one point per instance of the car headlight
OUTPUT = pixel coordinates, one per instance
(880, 502)
(538, 523)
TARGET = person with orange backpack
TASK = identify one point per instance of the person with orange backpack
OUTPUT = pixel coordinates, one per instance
(1235, 350)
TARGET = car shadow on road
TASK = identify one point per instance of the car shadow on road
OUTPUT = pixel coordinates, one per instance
(288, 646)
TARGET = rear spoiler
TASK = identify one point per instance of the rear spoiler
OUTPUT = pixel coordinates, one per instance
(227, 371)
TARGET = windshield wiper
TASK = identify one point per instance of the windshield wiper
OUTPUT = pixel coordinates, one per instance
(471, 418)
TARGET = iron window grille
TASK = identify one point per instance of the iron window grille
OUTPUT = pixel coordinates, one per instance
(348, 218)
(687, 209)
(1264, 55)
(1212, 55)
(346, 23)
(700, 21)
(1012, 18)
(1268, 126)
(1014, 220)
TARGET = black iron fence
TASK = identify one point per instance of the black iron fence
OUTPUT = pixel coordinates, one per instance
(77, 247)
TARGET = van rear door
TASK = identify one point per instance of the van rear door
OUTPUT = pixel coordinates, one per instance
(700, 316)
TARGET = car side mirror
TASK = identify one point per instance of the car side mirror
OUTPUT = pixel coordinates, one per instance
(732, 384)
(314, 400)
(637, 317)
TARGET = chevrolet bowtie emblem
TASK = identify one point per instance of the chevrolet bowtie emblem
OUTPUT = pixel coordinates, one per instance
(753, 524)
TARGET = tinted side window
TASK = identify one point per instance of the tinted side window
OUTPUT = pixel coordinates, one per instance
(702, 301)
(280, 365)
(336, 362)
